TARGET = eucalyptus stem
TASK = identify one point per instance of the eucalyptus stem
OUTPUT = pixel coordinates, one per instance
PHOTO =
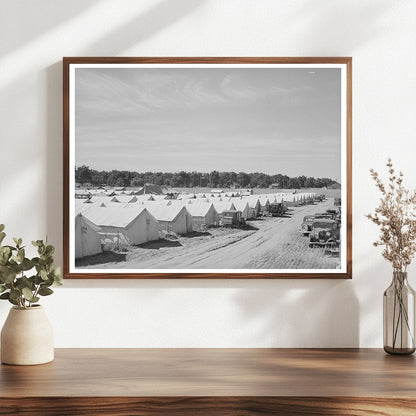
(23, 280)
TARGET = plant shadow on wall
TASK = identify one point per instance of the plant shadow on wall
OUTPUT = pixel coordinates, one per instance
(293, 313)
(300, 313)
(139, 28)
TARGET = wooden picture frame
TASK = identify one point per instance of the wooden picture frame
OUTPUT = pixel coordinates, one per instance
(334, 68)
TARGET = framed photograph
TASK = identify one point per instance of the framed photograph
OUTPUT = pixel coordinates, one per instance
(207, 168)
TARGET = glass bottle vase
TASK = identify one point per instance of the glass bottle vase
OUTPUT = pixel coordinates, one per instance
(399, 316)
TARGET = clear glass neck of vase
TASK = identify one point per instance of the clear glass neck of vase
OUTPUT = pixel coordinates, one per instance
(400, 276)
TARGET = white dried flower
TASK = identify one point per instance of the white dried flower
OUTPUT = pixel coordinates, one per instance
(396, 217)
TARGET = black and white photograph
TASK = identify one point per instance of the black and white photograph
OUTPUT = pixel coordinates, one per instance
(207, 168)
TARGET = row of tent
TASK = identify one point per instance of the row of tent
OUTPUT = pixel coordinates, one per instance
(136, 223)
(159, 190)
(147, 189)
(139, 219)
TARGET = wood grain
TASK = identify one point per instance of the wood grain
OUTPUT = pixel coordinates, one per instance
(207, 406)
(67, 61)
(214, 372)
(212, 381)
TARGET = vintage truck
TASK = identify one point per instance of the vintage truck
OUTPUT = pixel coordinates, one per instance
(320, 198)
(324, 233)
(277, 209)
(232, 218)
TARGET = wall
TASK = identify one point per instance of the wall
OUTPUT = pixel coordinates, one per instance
(380, 35)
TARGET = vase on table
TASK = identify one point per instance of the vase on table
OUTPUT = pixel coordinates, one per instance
(399, 316)
(27, 337)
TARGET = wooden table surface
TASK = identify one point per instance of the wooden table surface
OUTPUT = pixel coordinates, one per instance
(212, 381)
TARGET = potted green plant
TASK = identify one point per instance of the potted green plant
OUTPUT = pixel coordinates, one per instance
(27, 336)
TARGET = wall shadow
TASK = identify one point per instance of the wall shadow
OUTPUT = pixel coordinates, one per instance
(54, 149)
(336, 17)
(301, 313)
(38, 17)
(278, 310)
(153, 20)
(146, 24)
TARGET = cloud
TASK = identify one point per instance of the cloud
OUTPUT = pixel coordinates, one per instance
(228, 117)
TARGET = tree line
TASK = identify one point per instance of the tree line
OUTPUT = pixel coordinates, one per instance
(123, 178)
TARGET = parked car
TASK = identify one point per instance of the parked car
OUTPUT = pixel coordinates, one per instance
(306, 225)
(232, 218)
(320, 198)
(324, 232)
(308, 220)
(327, 215)
(277, 209)
(337, 202)
(335, 213)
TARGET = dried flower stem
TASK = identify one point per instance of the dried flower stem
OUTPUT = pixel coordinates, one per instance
(396, 217)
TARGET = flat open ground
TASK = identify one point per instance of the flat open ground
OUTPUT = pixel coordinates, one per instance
(267, 243)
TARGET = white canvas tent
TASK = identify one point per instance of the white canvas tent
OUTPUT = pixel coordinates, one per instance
(87, 239)
(254, 205)
(242, 205)
(172, 218)
(272, 198)
(124, 199)
(144, 198)
(101, 199)
(179, 202)
(153, 189)
(221, 206)
(264, 203)
(80, 205)
(199, 201)
(280, 197)
(84, 205)
(203, 214)
(137, 225)
(290, 200)
(159, 197)
(216, 198)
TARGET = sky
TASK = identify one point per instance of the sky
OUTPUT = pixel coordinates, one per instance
(271, 120)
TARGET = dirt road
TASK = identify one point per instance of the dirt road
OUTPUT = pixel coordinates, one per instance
(271, 243)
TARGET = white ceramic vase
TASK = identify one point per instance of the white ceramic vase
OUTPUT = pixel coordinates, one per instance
(27, 337)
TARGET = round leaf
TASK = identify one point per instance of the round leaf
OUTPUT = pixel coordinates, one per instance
(14, 294)
(27, 293)
(45, 291)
